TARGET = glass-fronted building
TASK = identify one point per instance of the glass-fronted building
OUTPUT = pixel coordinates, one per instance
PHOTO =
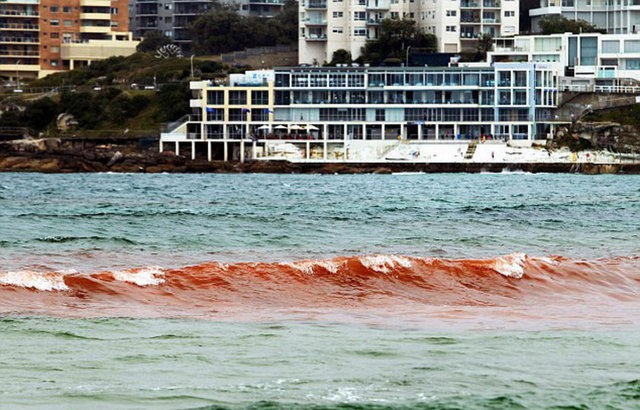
(499, 102)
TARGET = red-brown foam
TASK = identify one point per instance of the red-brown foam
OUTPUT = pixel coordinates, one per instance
(383, 286)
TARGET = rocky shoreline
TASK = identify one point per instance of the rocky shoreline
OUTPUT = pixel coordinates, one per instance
(74, 160)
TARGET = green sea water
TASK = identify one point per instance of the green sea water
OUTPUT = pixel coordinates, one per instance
(90, 223)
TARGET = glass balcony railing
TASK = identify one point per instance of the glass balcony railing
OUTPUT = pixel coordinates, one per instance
(315, 4)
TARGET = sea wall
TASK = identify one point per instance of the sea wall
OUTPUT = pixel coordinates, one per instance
(73, 160)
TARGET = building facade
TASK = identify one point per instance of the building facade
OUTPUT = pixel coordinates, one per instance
(173, 17)
(614, 16)
(334, 106)
(40, 37)
(603, 57)
(330, 25)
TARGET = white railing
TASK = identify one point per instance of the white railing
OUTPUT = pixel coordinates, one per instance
(589, 88)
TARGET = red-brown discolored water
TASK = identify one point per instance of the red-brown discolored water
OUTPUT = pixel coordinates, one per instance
(488, 292)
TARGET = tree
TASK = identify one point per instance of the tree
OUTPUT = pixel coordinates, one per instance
(40, 113)
(222, 29)
(559, 24)
(152, 41)
(395, 37)
(485, 44)
(340, 56)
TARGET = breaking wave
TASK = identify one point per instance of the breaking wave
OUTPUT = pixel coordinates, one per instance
(374, 283)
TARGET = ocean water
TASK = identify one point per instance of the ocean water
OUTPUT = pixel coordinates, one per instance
(320, 291)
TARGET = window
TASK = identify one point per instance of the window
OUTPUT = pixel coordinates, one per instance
(451, 13)
(359, 15)
(451, 29)
(632, 46)
(54, 9)
(54, 35)
(114, 10)
(55, 49)
(67, 23)
(168, 6)
(215, 97)
(509, 13)
(66, 9)
(237, 97)
(55, 22)
(337, 14)
(54, 63)
(394, 15)
(611, 46)
(259, 97)
(338, 30)
(360, 32)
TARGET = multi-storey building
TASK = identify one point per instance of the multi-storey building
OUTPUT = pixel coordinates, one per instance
(40, 37)
(329, 25)
(173, 17)
(606, 58)
(614, 16)
(332, 107)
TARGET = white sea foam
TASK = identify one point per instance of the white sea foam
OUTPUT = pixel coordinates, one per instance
(308, 266)
(152, 275)
(47, 281)
(384, 263)
(511, 265)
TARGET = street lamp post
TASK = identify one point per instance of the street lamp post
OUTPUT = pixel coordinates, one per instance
(406, 63)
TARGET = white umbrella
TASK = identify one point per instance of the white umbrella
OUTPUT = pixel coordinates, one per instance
(311, 127)
(281, 127)
(264, 127)
(296, 127)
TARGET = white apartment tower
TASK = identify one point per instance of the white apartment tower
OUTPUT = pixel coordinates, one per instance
(614, 16)
(330, 25)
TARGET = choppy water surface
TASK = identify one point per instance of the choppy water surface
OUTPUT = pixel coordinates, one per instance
(432, 291)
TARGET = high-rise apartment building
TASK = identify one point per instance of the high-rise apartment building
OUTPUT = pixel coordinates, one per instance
(614, 16)
(330, 25)
(173, 17)
(40, 37)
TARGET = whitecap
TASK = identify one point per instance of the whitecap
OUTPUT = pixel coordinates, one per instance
(511, 265)
(148, 276)
(384, 263)
(308, 266)
(46, 281)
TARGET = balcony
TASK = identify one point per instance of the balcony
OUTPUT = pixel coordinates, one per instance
(491, 4)
(316, 5)
(316, 37)
(377, 5)
(19, 53)
(469, 35)
(95, 3)
(374, 22)
(16, 26)
(18, 13)
(95, 29)
(19, 40)
(315, 22)
(491, 20)
(465, 4)
(195, 103)
(95, 16)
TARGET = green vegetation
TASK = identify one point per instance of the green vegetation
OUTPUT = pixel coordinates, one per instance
(559, 24)
(222, 29)
(152, 41)
(340, 56)
(629, 115)
(395, 37)
(114, 94)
